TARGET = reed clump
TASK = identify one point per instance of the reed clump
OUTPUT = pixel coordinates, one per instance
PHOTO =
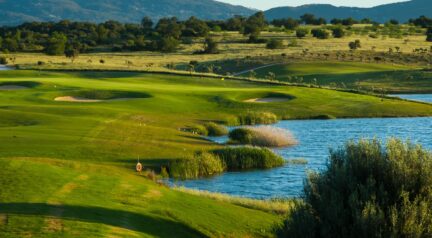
(265, 136)
(244, 158)
(198, 165)
(257, 118)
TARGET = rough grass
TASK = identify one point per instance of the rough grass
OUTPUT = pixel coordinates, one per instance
(244, 158)
(256, 118)
(266, 136)
(278, 206)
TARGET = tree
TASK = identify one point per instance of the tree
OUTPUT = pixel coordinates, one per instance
(147, 24)
(169, 27)
(167, 44)
(354, 45)
(210, 46)
(320, 33)
(338, 32)
(367, 190)
(254, 25)
(275, 44)
(429, 35)
(56, 44)
(72, 54)
(302, 32)
(195, 28)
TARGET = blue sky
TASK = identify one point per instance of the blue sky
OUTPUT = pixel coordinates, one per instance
(266, 4)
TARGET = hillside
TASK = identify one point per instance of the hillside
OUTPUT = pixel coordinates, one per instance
(402, 11)
(14, 12)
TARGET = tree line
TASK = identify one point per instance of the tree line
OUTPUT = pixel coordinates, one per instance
(71, 38)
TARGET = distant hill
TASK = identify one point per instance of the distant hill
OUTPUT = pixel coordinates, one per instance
(400, 11)
(14, 12)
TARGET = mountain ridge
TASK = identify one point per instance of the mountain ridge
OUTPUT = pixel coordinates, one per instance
(401, 11)
(14, 12)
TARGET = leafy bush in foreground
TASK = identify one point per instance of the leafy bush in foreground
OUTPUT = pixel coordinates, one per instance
(368, 190)
(255, 118)
(242, 158)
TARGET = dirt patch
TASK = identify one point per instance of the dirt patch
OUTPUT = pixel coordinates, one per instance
(12, 87)
(266, 100)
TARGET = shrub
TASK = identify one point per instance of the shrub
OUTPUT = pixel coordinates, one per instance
(3, 60)
(262, 136)
(338, 32)
(243, 158)
(255, 118)
(368, 190)
(200, 165)
(275, 44)
(302, 32)
(214, 129)
(354, 45)
(320, 33)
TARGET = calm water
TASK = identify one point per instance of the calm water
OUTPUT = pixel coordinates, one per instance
(315, 138)
(3, 67)
(416, 97)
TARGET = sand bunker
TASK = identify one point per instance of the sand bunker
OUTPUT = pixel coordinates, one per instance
(267, 100)
(12, 87)
(82, 99)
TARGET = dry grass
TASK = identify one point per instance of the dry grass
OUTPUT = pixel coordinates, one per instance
(266, 136)
(272, 137)
(274, 206)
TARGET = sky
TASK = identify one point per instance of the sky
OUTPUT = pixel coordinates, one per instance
(267, 4)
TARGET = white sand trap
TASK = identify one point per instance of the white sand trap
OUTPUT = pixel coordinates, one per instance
(75, 99)
(12, 87)
(81, 99)
(266, 100)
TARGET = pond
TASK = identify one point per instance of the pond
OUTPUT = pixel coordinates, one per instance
(315, 138)
(4, 67)
(415, 97)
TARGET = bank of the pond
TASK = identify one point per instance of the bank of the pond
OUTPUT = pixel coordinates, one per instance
(315, 138)
(415, 97)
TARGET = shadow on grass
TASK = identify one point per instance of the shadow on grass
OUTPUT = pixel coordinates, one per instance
(154, 226)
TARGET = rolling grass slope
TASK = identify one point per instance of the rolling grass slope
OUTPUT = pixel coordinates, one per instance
(391, 78)
(67, 167)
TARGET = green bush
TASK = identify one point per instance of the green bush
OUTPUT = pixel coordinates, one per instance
(214, 129)
(275, 44)
(243, 158)
(302, 32)
(255, 118)
(200, 165)
(368, 190)
(242, 136)
(3, 60)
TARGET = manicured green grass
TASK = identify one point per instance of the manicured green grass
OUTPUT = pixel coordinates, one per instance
(377, 77)
(53, 198)
(74, 161)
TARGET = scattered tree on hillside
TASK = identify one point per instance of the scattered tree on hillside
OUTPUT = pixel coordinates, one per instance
(275, 44)
(254, 25)
(302, 32)
(320, 33)
(354, 45)
(210, 46)
(147, 24)
(72, 54)
(338, 32)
